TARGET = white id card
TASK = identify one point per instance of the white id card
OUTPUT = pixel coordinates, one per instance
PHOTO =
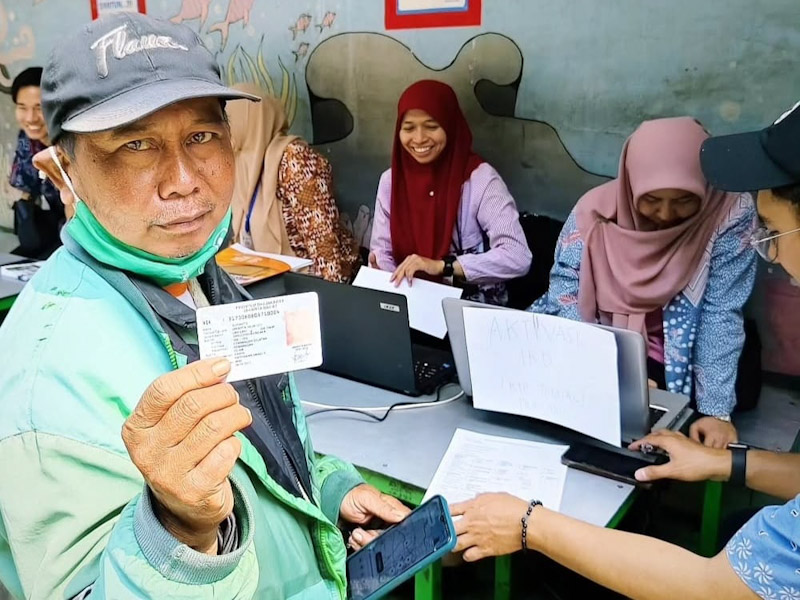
(263, 337)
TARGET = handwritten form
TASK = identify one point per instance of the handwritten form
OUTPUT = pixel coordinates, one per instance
(425, 312)
(476, 463)
(548, 368)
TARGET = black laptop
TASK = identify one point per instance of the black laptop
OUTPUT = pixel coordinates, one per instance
(365, 335)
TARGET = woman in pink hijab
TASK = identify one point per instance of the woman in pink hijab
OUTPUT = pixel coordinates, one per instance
(657, 250)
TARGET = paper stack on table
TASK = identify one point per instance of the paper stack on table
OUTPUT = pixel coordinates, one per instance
(246, 268)
(20, 271)
(476, 463)
(548, 368)
(294, 262)
(425, 312)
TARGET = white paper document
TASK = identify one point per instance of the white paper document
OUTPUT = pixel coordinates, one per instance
(263, 337)
(548, 368)
(476, 463)
(296, 264)
(424, 298)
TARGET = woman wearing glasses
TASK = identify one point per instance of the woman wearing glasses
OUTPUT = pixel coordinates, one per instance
(659, 251)
(762, 560)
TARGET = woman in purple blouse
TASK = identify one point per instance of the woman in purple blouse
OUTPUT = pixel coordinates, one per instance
(442, 213)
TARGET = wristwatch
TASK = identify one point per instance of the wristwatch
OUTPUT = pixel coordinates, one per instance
(448, 270)
(723, 418)
(738, 463)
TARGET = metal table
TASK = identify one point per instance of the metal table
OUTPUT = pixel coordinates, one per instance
(401, 454)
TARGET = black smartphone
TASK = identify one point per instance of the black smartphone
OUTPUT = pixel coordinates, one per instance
(616, 465)
(401, 551)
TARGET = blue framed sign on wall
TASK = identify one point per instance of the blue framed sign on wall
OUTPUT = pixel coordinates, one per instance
(416, 14)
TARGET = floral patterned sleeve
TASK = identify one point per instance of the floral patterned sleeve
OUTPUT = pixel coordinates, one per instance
(719, 338)
(312, 219)
(561, 298)
(764, 553)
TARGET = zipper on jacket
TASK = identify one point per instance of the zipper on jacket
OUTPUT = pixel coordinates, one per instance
(214, 297)
(289, 461)
(212, 291)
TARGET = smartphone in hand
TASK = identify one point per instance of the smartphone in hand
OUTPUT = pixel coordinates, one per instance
(400, 552)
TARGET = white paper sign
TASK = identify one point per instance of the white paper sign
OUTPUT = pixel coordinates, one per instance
(544, 367)
(425, 311)
(263, 337)
(476, 463)
(417, 6)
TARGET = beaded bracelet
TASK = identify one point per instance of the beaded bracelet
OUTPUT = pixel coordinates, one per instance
(524, 520)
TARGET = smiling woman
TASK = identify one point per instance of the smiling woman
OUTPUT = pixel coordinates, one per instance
(442, 212)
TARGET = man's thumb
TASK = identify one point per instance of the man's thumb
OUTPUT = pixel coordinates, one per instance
(653, 473)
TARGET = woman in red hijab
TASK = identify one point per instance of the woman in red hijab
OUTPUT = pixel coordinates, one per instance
(442, 212)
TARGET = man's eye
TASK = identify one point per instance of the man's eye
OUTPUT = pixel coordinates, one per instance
(138, 145)
(202, 137)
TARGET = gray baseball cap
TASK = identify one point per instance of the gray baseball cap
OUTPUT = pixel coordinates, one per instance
(124, 67)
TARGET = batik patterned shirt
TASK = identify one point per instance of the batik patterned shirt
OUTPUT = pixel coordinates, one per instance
(305, 190)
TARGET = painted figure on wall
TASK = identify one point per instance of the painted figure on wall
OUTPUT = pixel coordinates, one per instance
(238, 10)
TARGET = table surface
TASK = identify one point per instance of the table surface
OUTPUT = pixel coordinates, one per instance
(9, 287)
(409, 445)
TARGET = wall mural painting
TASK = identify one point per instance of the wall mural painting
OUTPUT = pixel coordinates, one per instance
(238, 11)
(191, 10)
(243, 67)
(485, 74)
(244, 63)
(19, 46)
(23, 46)
(546, 107)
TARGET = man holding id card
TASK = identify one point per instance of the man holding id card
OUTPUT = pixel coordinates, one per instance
(212, 489)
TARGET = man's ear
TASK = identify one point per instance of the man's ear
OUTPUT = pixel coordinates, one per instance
(44, 162)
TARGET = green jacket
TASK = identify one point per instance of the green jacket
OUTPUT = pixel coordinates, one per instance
(75, 356)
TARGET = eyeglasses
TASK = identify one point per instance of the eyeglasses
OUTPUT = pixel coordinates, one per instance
(763, 241)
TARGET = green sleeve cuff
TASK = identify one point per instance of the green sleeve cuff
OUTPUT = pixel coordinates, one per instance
(177, 561)
(335, 487)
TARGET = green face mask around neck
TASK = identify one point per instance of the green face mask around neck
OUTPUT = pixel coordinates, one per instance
(87, 231)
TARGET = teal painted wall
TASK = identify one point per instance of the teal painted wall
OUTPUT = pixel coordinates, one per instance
(551, 88)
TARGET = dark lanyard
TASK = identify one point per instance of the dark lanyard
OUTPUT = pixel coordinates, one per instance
(250, 209)
(459, 249)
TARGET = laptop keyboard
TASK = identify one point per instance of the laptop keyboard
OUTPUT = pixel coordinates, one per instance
(655, 414)
(430, 375)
